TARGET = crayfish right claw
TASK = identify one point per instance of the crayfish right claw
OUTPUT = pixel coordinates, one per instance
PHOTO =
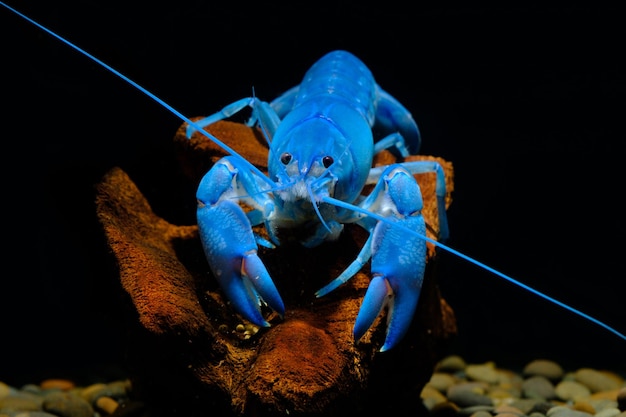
(253, 271)
(249, 288)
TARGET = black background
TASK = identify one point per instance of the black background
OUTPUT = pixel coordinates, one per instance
(527, 102)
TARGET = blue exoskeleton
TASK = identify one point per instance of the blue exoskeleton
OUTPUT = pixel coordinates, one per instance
(321, 150)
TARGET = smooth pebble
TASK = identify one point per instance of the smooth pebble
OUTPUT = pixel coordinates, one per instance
(544, 367)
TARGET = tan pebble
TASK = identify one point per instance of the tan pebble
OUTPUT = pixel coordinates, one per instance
(597, 380)
(252, 328)
(445, 407)
(107, 404)
(4, 389)
(431, 397)
(17, 404)
(62, 384)
(452, 363)
(583, 406)
(508, 414)
(482, 372)
(571, 390)
(441, 381)
(544, 367)
(88, 392)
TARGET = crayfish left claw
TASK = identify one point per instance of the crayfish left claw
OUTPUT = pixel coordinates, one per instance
(400, 303)
(398, 257)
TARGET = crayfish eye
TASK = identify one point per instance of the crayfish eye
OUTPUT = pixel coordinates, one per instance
(327, 161)
(285, 158)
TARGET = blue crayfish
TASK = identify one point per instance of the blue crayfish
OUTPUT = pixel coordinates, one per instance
(320, 159)
(321, 150)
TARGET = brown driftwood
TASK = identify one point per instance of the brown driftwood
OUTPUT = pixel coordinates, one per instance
(188, 352)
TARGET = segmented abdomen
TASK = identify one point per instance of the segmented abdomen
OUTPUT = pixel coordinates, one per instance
(339, 74)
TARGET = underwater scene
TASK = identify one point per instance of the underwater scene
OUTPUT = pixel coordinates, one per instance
(312, 209)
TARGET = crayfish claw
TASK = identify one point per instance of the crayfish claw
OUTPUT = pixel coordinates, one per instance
(231, 250)
(254, 270)
(400, 304)
(398, 259)
(376, 298)
(245, 300)
(250, 288)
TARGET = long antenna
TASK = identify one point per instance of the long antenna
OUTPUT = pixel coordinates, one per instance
(328, 200)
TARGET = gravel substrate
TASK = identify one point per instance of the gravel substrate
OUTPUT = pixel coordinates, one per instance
(61, 397)
(542, 389)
